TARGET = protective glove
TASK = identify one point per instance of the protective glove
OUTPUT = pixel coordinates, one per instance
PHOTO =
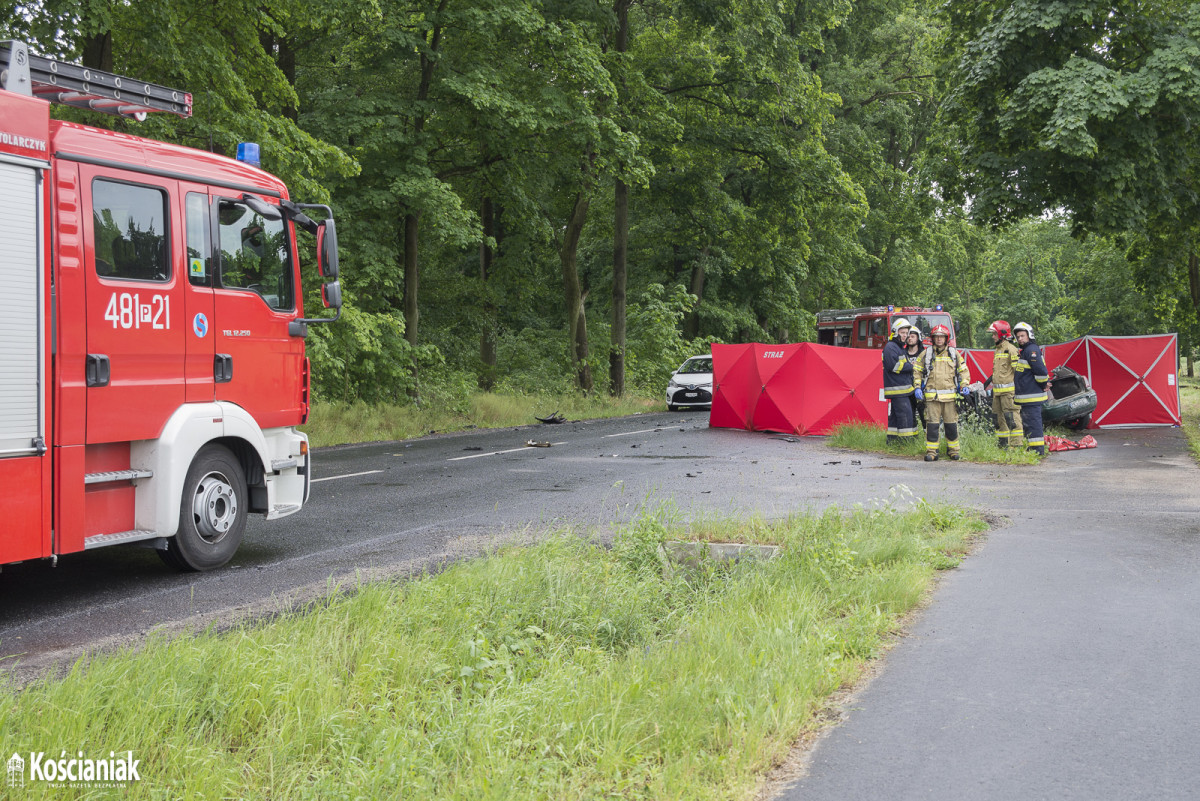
(965, 391)
(918, 394)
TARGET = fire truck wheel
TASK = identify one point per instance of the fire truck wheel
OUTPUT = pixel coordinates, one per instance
(212, 514)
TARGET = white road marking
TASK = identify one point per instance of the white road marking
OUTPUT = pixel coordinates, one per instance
(627, 433)
(348, 475)
(496, 453)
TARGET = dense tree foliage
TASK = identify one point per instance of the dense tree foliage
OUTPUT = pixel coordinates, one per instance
(547, 194)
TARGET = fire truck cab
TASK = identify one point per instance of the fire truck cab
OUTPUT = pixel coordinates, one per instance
(871, 326)
(152, 368)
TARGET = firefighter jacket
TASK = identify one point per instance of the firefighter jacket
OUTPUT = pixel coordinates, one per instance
(1031, 375)
(897, 370)
(941, 373)
(1004, 364)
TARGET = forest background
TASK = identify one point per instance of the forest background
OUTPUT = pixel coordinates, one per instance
(560, 196)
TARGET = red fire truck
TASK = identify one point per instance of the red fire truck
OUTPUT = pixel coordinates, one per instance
(871, 326)
(153, 370)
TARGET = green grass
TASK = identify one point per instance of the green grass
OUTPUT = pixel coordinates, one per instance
(975, 445)
(562, 670)
(340, 423)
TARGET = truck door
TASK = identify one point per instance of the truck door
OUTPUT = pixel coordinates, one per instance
(133, 288)
(260, 361)
(200, 367)
(873, 331)
(24, 461)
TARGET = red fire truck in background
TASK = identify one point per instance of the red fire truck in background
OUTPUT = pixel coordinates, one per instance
(871, 326)
(152, 362)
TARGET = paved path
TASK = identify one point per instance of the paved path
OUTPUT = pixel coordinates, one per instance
(1061, 660)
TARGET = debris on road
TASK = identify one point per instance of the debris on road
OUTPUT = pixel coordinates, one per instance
(553, 417)
(533, 444)
(1054, 443)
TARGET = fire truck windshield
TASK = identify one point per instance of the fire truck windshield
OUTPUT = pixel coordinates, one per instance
(255, 254)
(925, 322)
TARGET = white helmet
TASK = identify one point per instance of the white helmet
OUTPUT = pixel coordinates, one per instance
(1026, 327)
(898, 323)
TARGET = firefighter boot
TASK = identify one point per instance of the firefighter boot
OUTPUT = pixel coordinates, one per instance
(1014, 429)
(952, 440)
(932, 435)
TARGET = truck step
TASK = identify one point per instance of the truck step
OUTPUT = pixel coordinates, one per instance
(119, 538)
(283, 510)
(117, 475)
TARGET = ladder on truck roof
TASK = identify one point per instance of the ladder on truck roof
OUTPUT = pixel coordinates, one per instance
(847, 315)
(84, 87)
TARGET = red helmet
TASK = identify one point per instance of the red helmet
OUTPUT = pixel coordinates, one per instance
(1001, 329)
(940, 329)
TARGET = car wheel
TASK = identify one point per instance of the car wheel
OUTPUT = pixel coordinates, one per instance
(212, 512)
(672, 407)
(1079, 423)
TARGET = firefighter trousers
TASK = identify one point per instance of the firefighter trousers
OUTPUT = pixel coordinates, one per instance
(1008, 420)
(902, 426)
(1031, 420)
(936, 413)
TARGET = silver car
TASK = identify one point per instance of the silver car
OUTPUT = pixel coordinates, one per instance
(691, 385)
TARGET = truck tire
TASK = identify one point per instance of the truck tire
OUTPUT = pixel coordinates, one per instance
(1079, 423)
(212, 512)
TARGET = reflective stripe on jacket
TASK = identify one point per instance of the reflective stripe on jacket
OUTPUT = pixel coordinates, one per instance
(897, 370)
(1004, 367)
(940, 374)
(1031, 375)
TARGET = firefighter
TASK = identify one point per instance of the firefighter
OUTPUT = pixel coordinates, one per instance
(940, 377)
(1031, 378)
(898, 385)
(1003, 383)
(914, 346)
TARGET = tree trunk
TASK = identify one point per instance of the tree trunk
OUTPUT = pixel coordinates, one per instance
(576, 320)
(691, 323)
(97, 51)
(412, 216)
(1194, 280)
(412, 277)
(487, 338)
(283, 50)
(616, 355)
(1194, 287)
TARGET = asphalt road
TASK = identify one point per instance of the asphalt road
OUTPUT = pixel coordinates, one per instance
(1059, 661)
(398, 507)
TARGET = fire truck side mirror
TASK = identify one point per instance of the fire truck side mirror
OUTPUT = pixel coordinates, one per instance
(327, 249)
(261, 207)
(331, 295)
